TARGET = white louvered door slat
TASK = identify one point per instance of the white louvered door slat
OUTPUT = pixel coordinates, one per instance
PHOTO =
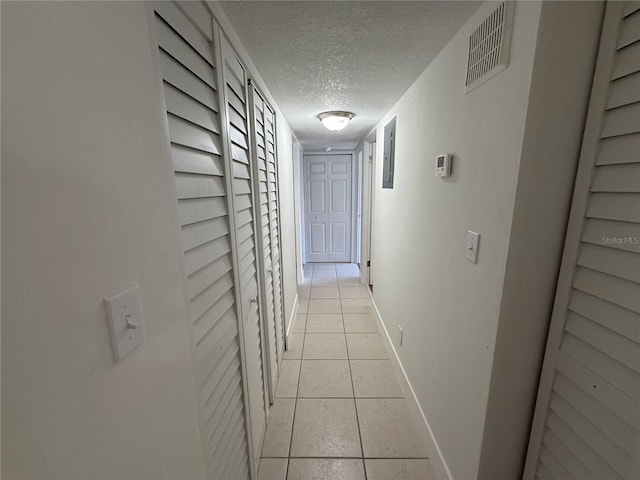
(186, 62)
(274, 223)
(587, 418)
(257, 108)
(238, 153)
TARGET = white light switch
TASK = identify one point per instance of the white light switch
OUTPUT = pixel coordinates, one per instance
(125, 322)
(471, 246)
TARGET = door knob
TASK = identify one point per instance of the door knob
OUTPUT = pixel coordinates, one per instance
(254, 300)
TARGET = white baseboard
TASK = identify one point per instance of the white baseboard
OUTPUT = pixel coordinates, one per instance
(434, 453)
(292, 319)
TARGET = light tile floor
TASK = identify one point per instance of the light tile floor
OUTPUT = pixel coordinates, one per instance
(339, 411)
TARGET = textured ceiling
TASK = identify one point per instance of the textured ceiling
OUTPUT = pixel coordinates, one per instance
(357, 56)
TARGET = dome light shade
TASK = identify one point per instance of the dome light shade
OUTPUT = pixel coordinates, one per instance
(335, 121)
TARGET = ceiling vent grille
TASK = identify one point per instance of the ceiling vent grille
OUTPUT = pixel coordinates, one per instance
(489, 46)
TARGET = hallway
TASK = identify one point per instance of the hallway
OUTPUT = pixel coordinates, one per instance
(170, 167)
(339, 410)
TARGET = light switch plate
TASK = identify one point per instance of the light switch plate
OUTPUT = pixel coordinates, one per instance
(471, 246)
(125, 322)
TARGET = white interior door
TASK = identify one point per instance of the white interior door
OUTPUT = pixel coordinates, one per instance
(243, 230)
(328, 207)
(264, 236)
(189, 75)
(274, 225)
(265, 184)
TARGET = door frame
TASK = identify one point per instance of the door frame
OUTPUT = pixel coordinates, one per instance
(298, 207)
(359, 163)
(354, 187)
(368, 199)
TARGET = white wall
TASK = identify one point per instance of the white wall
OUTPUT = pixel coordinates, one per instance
(88, 210)
(474, 333)
(448, 306)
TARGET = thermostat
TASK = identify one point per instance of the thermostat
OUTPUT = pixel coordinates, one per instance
(443, 165)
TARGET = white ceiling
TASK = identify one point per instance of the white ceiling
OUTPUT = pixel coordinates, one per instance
(359, 56)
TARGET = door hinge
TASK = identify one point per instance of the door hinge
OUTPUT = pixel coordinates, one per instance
(368, 263)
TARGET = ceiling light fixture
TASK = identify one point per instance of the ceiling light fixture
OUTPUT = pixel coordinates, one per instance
(335, 121)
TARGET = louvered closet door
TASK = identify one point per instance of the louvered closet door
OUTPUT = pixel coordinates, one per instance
(587, 419)
(258, 106)
(236, 108)
(274, 221)
(193, 113)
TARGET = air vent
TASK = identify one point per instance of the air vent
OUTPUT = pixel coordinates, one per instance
(489, 46)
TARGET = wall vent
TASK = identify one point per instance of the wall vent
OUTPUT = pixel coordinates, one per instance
(489, 46)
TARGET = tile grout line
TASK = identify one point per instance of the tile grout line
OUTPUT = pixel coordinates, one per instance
(346, 458)
(355, 404)
(346, 398)
(353, 458)
(349, 360)
(295, 404)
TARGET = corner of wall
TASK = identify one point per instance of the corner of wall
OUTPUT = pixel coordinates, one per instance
(565, 55)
